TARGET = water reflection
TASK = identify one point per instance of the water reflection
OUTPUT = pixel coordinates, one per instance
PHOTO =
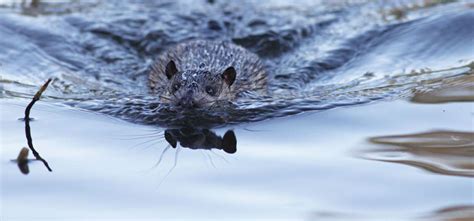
(455, 90)
(454, 213)
(22, 161)
(38, 7)
(195, 138)
(460, 213)
(441, 152)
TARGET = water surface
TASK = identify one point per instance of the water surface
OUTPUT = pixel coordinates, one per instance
(327, 166)
(319, 55)
(369, 115)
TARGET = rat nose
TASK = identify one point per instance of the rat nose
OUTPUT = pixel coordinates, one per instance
(187, 101)
(189, 93)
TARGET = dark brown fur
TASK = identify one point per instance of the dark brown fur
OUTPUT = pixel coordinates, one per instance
(203, 62)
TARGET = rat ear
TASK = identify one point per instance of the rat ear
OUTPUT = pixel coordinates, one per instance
(229, 75)
(171, 140)
(229, 142)
(170, 69)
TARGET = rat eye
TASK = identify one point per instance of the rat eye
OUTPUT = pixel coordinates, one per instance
(210, 90)
(176, 86)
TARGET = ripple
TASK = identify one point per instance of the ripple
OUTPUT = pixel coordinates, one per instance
(462, 90)
(440, 152)
(318, 58)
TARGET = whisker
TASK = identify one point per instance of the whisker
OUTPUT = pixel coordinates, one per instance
(145, 142)
(210, 160)
(151, 144)
(172, 168)
(138, 136)
(141, 137)
(166, 98)
(161, 156)
(220, 156)
(142, 134)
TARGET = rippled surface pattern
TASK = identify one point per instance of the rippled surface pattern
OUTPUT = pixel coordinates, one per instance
(443, 152)
(319, 55)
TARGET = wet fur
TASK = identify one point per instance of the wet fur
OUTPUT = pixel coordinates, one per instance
(207, 60)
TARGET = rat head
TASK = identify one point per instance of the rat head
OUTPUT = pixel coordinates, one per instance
(197, 88)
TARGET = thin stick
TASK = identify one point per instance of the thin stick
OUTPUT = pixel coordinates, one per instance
(27, 124)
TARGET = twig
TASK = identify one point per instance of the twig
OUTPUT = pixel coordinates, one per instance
(27, 124)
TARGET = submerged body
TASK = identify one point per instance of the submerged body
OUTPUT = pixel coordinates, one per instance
(203, 73)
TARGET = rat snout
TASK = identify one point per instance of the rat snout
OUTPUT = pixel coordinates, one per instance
(187, 101)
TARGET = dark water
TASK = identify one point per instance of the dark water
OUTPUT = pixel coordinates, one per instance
(319, 55)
